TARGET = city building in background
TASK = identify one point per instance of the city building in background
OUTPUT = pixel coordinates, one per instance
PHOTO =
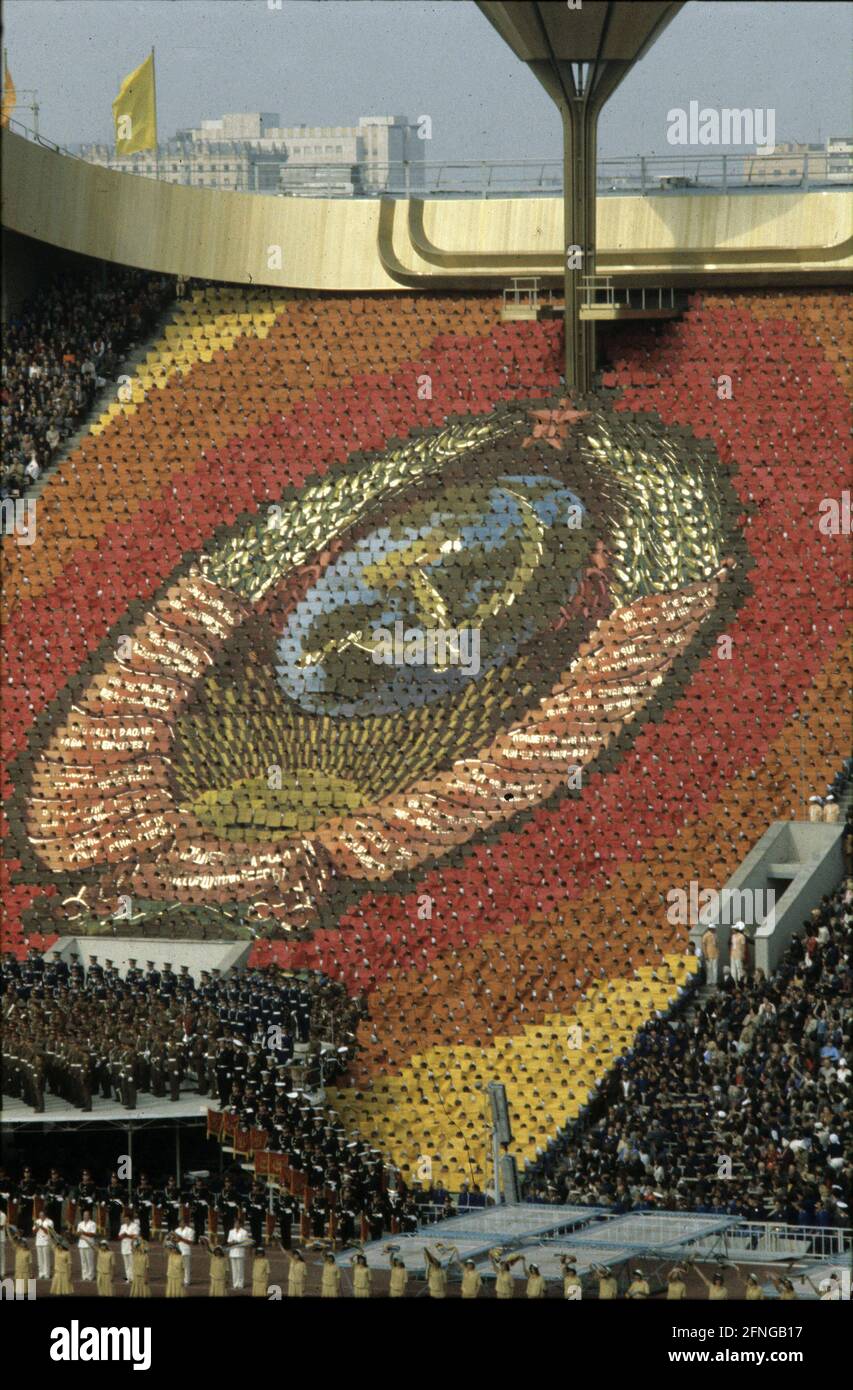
(251, 152)
(797, 161)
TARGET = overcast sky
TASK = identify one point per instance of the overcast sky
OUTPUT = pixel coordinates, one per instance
(327, 62)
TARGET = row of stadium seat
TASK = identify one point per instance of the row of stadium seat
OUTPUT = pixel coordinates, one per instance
(761, 783)
(585, 878)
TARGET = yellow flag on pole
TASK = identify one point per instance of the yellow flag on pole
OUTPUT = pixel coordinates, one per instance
(10, 96)
(135, 110)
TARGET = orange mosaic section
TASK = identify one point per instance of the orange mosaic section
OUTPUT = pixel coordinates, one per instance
(825, 318)
(435, 1106)
(517, 978)
(312, 346)
(492, 967)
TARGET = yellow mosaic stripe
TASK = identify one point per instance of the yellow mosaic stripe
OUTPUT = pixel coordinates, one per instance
(437, 1106)
(212, 319)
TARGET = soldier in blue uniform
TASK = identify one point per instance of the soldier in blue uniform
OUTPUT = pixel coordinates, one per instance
(54, 1193)
(228, 1204)
(172, 1199)
(133, 975)
(144, 1201)
(25, 1195)
(199, 1203)
(115, 1196)
(287, 1210)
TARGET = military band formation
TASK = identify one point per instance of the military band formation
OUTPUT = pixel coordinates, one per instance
(79, 1032)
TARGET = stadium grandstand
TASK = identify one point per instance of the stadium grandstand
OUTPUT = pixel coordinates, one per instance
(427, 846)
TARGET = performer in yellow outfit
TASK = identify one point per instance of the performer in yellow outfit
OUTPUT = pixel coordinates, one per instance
(471, 1281)
(436, 1275)
(572, 1286)
(140, 1264)
(536, 1287)
(297, 1274)
(104, 1270)
(716, 1286)
(330, 1284)
(753, 1289)
(362, 1277)
(61, 1281)
(638, 1287)
(607, 1286)
(218, 1273)
(23, 1261)
(675, 1285)
(260, 1273)
(399, 1278)
(175, 1273)
(505, 1280)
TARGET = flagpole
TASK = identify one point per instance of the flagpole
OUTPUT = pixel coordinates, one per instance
(156, 132)
(7, 111)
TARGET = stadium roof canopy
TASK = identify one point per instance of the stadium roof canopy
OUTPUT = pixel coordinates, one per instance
(580, 56)
(602, 38)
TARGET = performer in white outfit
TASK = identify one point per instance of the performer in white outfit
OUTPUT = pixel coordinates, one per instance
(43, 1228)
(87, 1239)
(710, 954)
(129, 1231)
(185, 1236)
(737, 953)
(239, 1241)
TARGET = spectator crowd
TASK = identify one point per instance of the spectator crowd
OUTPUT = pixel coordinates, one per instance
(738, 1103)
(59, 350)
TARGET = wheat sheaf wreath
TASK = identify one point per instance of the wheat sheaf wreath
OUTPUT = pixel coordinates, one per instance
(244, 755)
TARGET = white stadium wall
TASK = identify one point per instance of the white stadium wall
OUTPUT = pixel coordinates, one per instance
(370, 244)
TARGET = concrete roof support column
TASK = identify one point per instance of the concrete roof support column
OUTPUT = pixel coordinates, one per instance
(580, 54)
(579, 139)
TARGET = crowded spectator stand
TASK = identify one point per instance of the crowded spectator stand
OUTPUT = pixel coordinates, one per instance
(61, 348)
(736, 1103)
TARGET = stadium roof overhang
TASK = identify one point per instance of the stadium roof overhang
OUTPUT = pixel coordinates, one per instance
(579, 53)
